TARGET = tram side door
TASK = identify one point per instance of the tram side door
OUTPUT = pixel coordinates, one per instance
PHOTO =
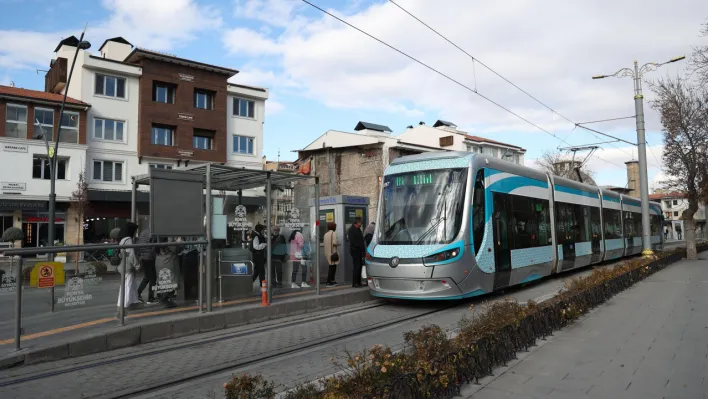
(502, 250)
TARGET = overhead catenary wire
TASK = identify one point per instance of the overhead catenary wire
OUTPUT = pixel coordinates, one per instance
(498, 105)
(512, 83)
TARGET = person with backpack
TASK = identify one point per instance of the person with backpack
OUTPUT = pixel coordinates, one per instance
(147, 261)
(331, 245)
(128, 264)
(297, 244)
(258, 248)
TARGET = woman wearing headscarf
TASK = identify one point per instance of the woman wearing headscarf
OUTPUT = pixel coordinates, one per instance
(128, 266)
(369, 233)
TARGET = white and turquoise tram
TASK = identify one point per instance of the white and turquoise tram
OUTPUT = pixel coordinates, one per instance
(456, 225)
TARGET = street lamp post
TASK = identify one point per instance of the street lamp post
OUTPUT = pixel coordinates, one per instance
(636, 74)
(52, 152)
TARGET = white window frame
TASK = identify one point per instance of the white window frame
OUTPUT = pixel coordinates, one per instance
(11, 105)
(172, 136)
(103, 162)
(208, 100)
(103, 93)
(161, 166)
(43, 126)
(46, 159)
(236, 151)
(78, 121)
(103, 130)
(236, 111)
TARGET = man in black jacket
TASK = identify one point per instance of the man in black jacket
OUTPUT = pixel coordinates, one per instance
(356, 249)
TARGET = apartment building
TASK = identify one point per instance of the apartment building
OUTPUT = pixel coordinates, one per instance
(28, 118)
(153, 110)
(673, 204)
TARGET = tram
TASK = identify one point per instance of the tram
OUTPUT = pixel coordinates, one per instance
(453, 225)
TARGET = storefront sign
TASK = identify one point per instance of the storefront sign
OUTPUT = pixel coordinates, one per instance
(185, 77)
(40, 219)
(185, 117)
(23, 205)
(74, 294)
(240, 222)
(185, 153)
(15, 147)
(13, 186)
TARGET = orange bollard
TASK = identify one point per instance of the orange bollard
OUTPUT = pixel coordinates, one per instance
(264, 294)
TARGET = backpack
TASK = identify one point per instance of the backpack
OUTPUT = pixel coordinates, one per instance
(116, 258)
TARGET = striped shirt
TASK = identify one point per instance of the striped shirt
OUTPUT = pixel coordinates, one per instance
(146, 253)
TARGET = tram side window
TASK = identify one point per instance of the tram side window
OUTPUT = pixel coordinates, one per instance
(654, 223)
(565, 222)
(613, 223)
(629, 224)
(582, 223)
(529, 222)
(595, 223)
(478, 211)
(637, 217)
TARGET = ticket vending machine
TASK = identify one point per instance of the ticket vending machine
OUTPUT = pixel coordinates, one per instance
(342, 210)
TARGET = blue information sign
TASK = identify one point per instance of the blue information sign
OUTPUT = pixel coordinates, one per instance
(239, 268)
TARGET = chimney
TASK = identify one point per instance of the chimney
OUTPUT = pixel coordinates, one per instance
(633, 178)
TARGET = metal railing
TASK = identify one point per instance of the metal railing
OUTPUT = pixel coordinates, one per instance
(18, 252)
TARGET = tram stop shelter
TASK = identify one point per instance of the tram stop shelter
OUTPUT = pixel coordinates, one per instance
(222, 178)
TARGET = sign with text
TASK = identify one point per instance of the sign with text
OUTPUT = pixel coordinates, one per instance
(13, 186)
(185, 77)
(294, 220)
(185, 117)
(15, 147)
(240, 221)
(74, 294)
(239, 269)
(46, 276)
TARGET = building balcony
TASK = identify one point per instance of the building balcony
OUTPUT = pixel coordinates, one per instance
(55, 79)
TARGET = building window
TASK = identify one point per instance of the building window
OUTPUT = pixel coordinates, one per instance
(667, 204)
(161, 166)
(110, 86)
(676, 213)
(162, 135)
(493, 152)
(44, 120)
(108, 129)
(203, 99)
(675, 202)
(163, 92)
(517, 159)
(41, 168)
(244, 108)
(16, 121)
(243, 145)
(108, 171)
(69, 127)
(203, 139)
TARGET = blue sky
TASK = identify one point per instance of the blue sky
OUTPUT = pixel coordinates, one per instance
(323, 75)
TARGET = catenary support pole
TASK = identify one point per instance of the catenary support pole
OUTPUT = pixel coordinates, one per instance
(209, 263)
(316, 226)
(269, 257)
(18, 303)
(133, 202)
(643, 180)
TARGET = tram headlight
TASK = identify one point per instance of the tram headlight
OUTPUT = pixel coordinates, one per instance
(441, 256)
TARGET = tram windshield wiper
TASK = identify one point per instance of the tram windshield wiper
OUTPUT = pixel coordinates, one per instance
(436, 224)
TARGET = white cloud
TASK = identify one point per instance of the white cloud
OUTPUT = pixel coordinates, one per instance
(550, 49)
(155, 24)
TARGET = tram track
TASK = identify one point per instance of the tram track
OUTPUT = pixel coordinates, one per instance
(267, 356)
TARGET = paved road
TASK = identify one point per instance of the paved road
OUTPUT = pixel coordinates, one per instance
(648, 342)
(286, 352)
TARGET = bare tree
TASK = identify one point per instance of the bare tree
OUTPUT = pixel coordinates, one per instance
(559, 164)
(80, 203)
(699, 59)
(684, 115)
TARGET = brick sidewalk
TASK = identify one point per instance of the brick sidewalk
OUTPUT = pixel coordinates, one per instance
(650, 341)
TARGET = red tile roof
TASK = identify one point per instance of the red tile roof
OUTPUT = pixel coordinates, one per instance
(673, 194)
(37, 95)
(483, 140)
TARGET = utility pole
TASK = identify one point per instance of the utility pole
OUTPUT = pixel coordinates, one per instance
(636, 74)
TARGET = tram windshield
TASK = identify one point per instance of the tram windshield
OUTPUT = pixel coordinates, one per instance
(422, 207)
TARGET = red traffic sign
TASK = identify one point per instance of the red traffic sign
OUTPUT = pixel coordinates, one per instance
(46, 276)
